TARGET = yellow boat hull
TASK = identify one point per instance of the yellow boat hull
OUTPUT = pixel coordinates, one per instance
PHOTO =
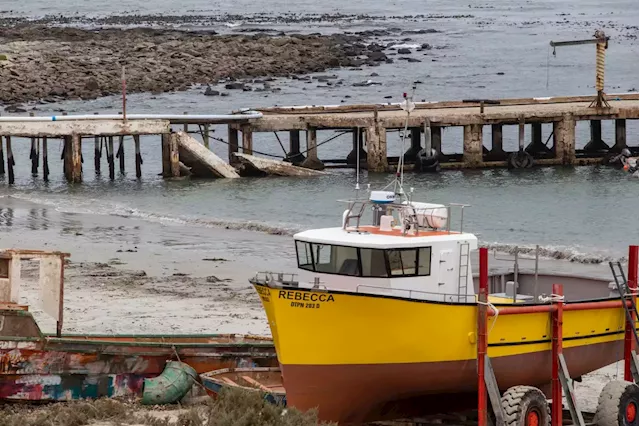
(360, 357)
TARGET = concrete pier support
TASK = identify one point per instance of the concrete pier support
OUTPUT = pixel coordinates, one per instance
(357, 138)
(436, 138)
(564, 138)
(415, 147)
(596, 143)
(312, 161)
(472, 145)
(174, 155)
(233, 143)
(377, 149)
(621, 135)
(166, 154)
(496, 139)
(294, 155)
(536, 145)
(247, 140)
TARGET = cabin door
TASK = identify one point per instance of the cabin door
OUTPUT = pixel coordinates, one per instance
(446, 272)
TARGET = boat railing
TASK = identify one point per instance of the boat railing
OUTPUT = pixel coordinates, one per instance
(268, 277)
(445, 297)
(358, 207)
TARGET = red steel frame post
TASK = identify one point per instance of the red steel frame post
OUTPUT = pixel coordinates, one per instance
(483, 292)
(632, 280)
(556, 350)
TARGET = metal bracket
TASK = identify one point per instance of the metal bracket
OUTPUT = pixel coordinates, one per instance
(565, 379)
(494, 392)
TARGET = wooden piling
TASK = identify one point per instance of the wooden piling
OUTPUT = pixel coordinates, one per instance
(175, 155)
(564, 139)
(233, 143)
(97, 153)
(45, 159)
(294, 154)
(136, 139)
(496, 138)
(472, 145)
(377, 148)
(10, 161)
(166, 155)
(67, 159)
(110, 159)
(34, 156)
(76, 158)
(621, 134)
(120, 154)
(205, 135)
(247, 140)
(1, 156)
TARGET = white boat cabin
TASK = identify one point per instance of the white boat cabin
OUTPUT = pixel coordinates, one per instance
(409, 251)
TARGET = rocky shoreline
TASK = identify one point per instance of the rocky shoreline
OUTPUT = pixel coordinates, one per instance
(49, 64)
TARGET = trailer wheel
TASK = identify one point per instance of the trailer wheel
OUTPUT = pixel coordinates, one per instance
(525, 406)
(617, 404)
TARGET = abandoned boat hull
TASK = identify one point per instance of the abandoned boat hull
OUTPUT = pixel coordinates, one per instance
(34, 366)
(264, 380)
(364, 357)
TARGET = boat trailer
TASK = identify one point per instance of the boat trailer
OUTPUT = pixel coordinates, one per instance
(620, 403)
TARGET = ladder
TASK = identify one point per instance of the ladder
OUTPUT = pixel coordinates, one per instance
(463, 272)
(626, 295)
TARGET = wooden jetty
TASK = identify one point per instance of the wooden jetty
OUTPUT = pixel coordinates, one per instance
(368, 124)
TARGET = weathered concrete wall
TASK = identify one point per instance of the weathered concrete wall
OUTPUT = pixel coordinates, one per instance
(472, 155)
(564, 136)
(376, 149)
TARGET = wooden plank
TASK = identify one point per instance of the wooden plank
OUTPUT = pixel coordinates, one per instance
(251, 163)
(494, 392)
(201, 160)
(83, 127)
(256, 383)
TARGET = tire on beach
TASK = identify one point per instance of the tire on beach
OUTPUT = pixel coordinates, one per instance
(525, 406)
(520, 160)
(617, 404)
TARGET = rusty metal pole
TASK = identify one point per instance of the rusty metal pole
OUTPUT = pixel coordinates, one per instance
(632, 282)
(556, 350)
(483, 292)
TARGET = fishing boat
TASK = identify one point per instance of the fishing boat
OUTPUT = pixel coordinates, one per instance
(61, 367)
(385, 324)
(264, 380)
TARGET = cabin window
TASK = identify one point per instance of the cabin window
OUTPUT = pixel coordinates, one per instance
(305, 260)
(340, 260)
(424, 261)
(402, 262)
(373, 263)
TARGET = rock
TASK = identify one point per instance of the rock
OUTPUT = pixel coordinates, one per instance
(388, 97)
(426, 46)
(234, 86)
(92, 85)
(374, 74)
(404, 51)
(377, 56)
(365, 83)
(499, 73)
(14, 108)
(210, 92)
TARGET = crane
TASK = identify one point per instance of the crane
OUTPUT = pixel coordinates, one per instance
(602, 42)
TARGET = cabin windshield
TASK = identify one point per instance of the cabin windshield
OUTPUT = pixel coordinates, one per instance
(363, 262)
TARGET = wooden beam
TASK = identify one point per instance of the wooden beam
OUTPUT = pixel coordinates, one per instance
(86, 127)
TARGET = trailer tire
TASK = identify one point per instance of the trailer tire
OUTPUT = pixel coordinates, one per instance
(617, 404)
(525, 406)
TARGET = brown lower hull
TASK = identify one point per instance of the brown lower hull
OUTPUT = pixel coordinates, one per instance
(360, 393)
